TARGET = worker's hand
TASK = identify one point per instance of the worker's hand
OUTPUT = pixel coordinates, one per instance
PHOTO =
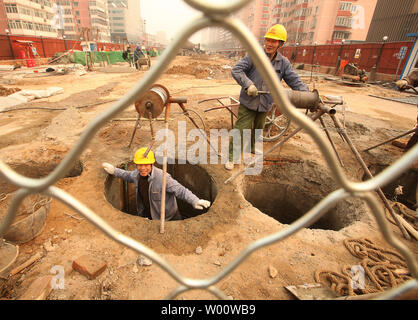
(401, 84)
(202, 204)
(252, 91)
(108, 168)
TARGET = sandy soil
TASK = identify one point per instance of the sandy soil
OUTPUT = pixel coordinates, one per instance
(34, 141)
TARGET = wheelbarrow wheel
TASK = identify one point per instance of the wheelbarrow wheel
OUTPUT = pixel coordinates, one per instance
(276, 125)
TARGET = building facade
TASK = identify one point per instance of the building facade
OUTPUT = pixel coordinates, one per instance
(125, 21)
(307, 21)
(394, 19)
(28, 17)
(324, 21)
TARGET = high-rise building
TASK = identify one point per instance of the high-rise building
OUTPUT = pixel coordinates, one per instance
(308, 21)
(323, 21)
(125, 20)
(394, 19)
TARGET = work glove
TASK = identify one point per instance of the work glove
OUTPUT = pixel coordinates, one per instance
(108, 168)
(252, 91)
(401, 84)
(202, 204)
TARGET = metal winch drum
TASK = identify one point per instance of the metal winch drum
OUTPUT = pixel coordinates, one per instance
(153, 101)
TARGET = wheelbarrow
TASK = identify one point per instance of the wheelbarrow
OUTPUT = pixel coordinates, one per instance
(144, 61)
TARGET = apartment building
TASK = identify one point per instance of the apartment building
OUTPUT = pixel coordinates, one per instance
(394, 19)
(309, 21)
(99, 20)
(324, 21)
(28, 17)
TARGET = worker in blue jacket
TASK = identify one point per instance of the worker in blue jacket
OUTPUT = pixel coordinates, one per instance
(254, 107)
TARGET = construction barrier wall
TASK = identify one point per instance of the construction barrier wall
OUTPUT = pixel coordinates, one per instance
(11, 47)
(365, 55)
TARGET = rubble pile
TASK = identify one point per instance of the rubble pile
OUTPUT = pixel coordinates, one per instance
(4, 92)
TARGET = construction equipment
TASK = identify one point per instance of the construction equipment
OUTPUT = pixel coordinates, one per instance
(354, 73)
(150, 106)
(276, 123)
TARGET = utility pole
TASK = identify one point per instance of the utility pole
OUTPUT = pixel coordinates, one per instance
(10, 43)
(339, 57)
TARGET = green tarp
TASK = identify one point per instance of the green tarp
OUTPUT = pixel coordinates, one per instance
(108, 56)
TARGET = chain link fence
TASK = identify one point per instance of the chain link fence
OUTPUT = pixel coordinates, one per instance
(219, 14)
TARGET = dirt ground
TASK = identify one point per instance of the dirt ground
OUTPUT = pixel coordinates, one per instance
(34, 141)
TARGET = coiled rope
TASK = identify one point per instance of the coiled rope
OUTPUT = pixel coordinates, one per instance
(383, 269)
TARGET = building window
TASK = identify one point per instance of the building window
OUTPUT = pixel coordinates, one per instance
(345, 6)
(343, 22)
(11, 8)
(341, 35)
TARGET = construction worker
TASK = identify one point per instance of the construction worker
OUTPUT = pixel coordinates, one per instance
(410, 81)
(254, 107)
(148, 180)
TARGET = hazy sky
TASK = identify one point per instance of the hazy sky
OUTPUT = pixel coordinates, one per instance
(167, 15)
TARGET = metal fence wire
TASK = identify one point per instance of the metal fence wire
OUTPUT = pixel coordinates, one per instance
(219, 13)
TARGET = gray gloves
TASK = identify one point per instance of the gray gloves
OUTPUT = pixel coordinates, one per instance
(401, 84)
(202, 204)
(252, 91)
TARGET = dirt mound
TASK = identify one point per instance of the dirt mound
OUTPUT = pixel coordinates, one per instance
(202, 70)
(8, 91)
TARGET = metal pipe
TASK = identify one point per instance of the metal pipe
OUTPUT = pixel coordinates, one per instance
(133, 133)
(301, 99)
(330, 140)
(368, 173)
(397, 137)
(126, 188)
(11, 46)
(163, 190)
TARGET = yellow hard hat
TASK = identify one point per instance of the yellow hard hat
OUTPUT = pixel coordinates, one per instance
(277, 32)
(139, 157)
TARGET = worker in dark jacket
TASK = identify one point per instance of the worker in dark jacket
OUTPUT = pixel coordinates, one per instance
(148, 181)
(254, 107)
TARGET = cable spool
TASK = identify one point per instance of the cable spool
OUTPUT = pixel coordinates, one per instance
(153, 101)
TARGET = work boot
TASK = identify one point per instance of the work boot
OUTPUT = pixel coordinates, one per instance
(229, 165)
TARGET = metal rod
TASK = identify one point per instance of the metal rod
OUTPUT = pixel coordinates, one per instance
(330, 140)
(121, 195)
(163, 190)
(368, 173)
(126, 191)
(397, 137)
(133, 133)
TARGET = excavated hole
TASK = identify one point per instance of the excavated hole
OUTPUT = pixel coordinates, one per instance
(287, 192)
(409, 181)
(36, 170)
(193, 177)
